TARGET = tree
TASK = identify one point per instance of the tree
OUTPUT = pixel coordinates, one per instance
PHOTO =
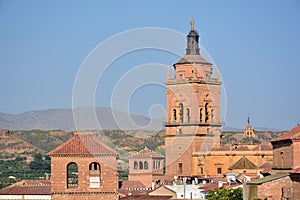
(225, 194)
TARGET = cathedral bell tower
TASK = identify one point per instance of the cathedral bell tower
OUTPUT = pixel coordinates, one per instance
(193, 111)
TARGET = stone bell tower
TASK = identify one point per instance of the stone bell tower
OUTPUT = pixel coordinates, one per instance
(193, 111)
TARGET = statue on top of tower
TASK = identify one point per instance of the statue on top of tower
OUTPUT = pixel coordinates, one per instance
(192, 23)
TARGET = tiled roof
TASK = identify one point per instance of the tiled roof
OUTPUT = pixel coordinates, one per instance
(266, 165)
(263, 147)
(146, 197)
(146, 153)
(134, 185)
(193, 59)
(28, 187)
(222, 148)
(292, 134)
(125, 193)
(211, 186)
(83, 144)
(243, 163)
(267, 179)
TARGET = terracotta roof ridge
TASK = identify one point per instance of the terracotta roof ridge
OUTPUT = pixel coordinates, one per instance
(83, 143)
(61, 146)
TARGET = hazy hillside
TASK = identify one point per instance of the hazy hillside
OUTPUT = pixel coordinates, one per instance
(62, 119)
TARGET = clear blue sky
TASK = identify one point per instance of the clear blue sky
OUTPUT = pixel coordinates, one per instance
(255, 43)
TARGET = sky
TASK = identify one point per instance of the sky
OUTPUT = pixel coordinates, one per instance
(255, 43)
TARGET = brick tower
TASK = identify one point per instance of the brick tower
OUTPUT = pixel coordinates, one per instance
(146, 166)
(193, 111)
(83, 168)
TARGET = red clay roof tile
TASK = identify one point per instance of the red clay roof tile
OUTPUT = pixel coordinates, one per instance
(28, 187)
(292, 134)
(83, 144)
(146, 153)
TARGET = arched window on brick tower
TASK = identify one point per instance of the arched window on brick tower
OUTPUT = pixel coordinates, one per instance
(188, 115)
(181, 112)
(174, 115)
(95, 175)
(72, 175)
(201, 115)
(212, 115)
(135, 165)
(206, 113)
(141, 165)
(145, 165)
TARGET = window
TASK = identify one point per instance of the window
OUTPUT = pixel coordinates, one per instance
(158, 165)
(179, 131)
(95, 174)
(219, 170)
(174, 115)
(72, 175)
(145, 165)
(180, 168)
(212, 115)
(94, 166)
(188, 115)
(181, 112)
(201, 170)
(154, 165)
(141, 165)
(135, 165)
(201, 114)
(206, 112)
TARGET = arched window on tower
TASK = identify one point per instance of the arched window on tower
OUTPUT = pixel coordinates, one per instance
(72, 175)
(181, 112)
(201, 115)
(153, 165)
(212, 115)
(188, 115)
(206, 113)
(135, 165)
(141, 165)
(145, 165)
(95, 174)
(174, 115)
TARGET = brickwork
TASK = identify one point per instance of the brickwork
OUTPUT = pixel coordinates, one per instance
(283, 157)
(92, 175)
(193, 110)
(274, 189)
(84, 196)
(146, 166)
(224, 159)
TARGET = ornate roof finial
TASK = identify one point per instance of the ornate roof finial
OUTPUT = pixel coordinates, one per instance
(192, 23)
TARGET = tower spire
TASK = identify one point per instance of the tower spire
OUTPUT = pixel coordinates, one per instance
(192, 40)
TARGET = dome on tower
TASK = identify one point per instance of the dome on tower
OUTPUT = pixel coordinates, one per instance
(192, 55)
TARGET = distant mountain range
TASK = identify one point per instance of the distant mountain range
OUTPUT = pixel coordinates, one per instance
(87, 118)
(63, 119)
